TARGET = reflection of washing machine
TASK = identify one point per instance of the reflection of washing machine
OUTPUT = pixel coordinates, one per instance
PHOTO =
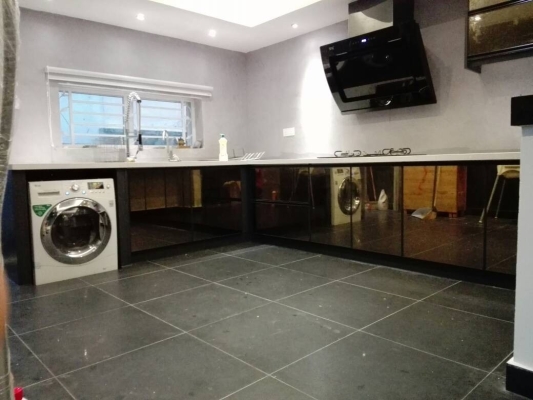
(346, 195)
(73, 229)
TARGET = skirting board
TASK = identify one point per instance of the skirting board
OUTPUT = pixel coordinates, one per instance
(519, 380)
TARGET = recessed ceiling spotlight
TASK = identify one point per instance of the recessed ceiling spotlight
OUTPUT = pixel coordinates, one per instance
(212, 33)
(477, 17)
(294, 26)
(140, 17)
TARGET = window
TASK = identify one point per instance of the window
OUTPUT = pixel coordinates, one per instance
(91, 119)
(87, 109)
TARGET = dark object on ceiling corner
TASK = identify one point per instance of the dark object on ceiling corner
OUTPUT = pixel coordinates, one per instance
(522, 111)
(498, 31)
(384, 64)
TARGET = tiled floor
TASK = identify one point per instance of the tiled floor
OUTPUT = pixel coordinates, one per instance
(258, 322)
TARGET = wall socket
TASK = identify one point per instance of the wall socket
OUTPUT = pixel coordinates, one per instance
(289, 132)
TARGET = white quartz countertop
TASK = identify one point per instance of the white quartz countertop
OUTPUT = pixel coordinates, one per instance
(431, 158)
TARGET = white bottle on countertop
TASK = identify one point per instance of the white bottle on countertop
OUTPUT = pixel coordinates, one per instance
(223, 144)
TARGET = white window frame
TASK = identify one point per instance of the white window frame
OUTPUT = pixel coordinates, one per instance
(118, 85)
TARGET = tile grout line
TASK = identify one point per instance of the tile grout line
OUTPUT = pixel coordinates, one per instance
(486, 376)
(69, 321)
(360, 330)
(46, 367)
(410, 305)
(294, 387)
(354, 328)
(216, 256)
(228, 354)
(171, 294)
(244, 387)
(50, 294)
(419, 300)
(228, 317)
(182, 332)
(470, 312)
(325, 284)
(423, 351)
(310, 354)
(118, 356)
(140, 309)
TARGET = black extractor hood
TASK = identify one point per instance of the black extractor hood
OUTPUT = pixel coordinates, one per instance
(383, 65)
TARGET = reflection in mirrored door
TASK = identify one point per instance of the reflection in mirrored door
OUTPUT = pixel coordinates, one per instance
(377, 222)
(443, 205)
(334, 199)
(160, 208)
(217, 208)
(502, 217)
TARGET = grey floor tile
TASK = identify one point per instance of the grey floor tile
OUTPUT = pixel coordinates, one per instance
(26, 369)
(329, 267)
(272, 336)
(467, 338)
(348, 304)
(479, 299)
(125, 272)
(39, 313)
(275, 283)
(183, 259)
(275, 255)
(403, 283)
(25, 292)
(201, 306)
(493, 388)
(363, 367)
(179, 368)
(269, 389)
(49, 390)
(70, 346)
(146, 287)
(222, 268)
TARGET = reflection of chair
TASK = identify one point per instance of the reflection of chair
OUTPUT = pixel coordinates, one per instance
(505, 172)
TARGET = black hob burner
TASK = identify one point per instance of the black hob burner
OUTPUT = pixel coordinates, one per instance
(405, 151)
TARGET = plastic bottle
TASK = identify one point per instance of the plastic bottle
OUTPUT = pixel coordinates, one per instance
(223, 145)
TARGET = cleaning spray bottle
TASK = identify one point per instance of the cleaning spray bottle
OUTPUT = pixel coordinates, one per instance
(223, 145)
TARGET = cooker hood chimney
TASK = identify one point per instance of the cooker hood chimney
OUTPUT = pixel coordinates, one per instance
(367, 16)
(383, 64)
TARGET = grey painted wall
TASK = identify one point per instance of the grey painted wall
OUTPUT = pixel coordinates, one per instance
(51, 40)
(286, 87)
(258, 94)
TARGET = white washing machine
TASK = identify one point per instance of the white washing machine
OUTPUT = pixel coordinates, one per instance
(346, 195)
(74, 228)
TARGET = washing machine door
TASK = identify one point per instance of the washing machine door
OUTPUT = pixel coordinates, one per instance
(349, 197)
(76, 231)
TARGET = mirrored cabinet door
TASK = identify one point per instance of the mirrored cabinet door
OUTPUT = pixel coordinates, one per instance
(160, 208)
(282, 184)
(377, 223)
(217, 209)
(443, 207)
(333, 203)
(502, 29)
(502, 218)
